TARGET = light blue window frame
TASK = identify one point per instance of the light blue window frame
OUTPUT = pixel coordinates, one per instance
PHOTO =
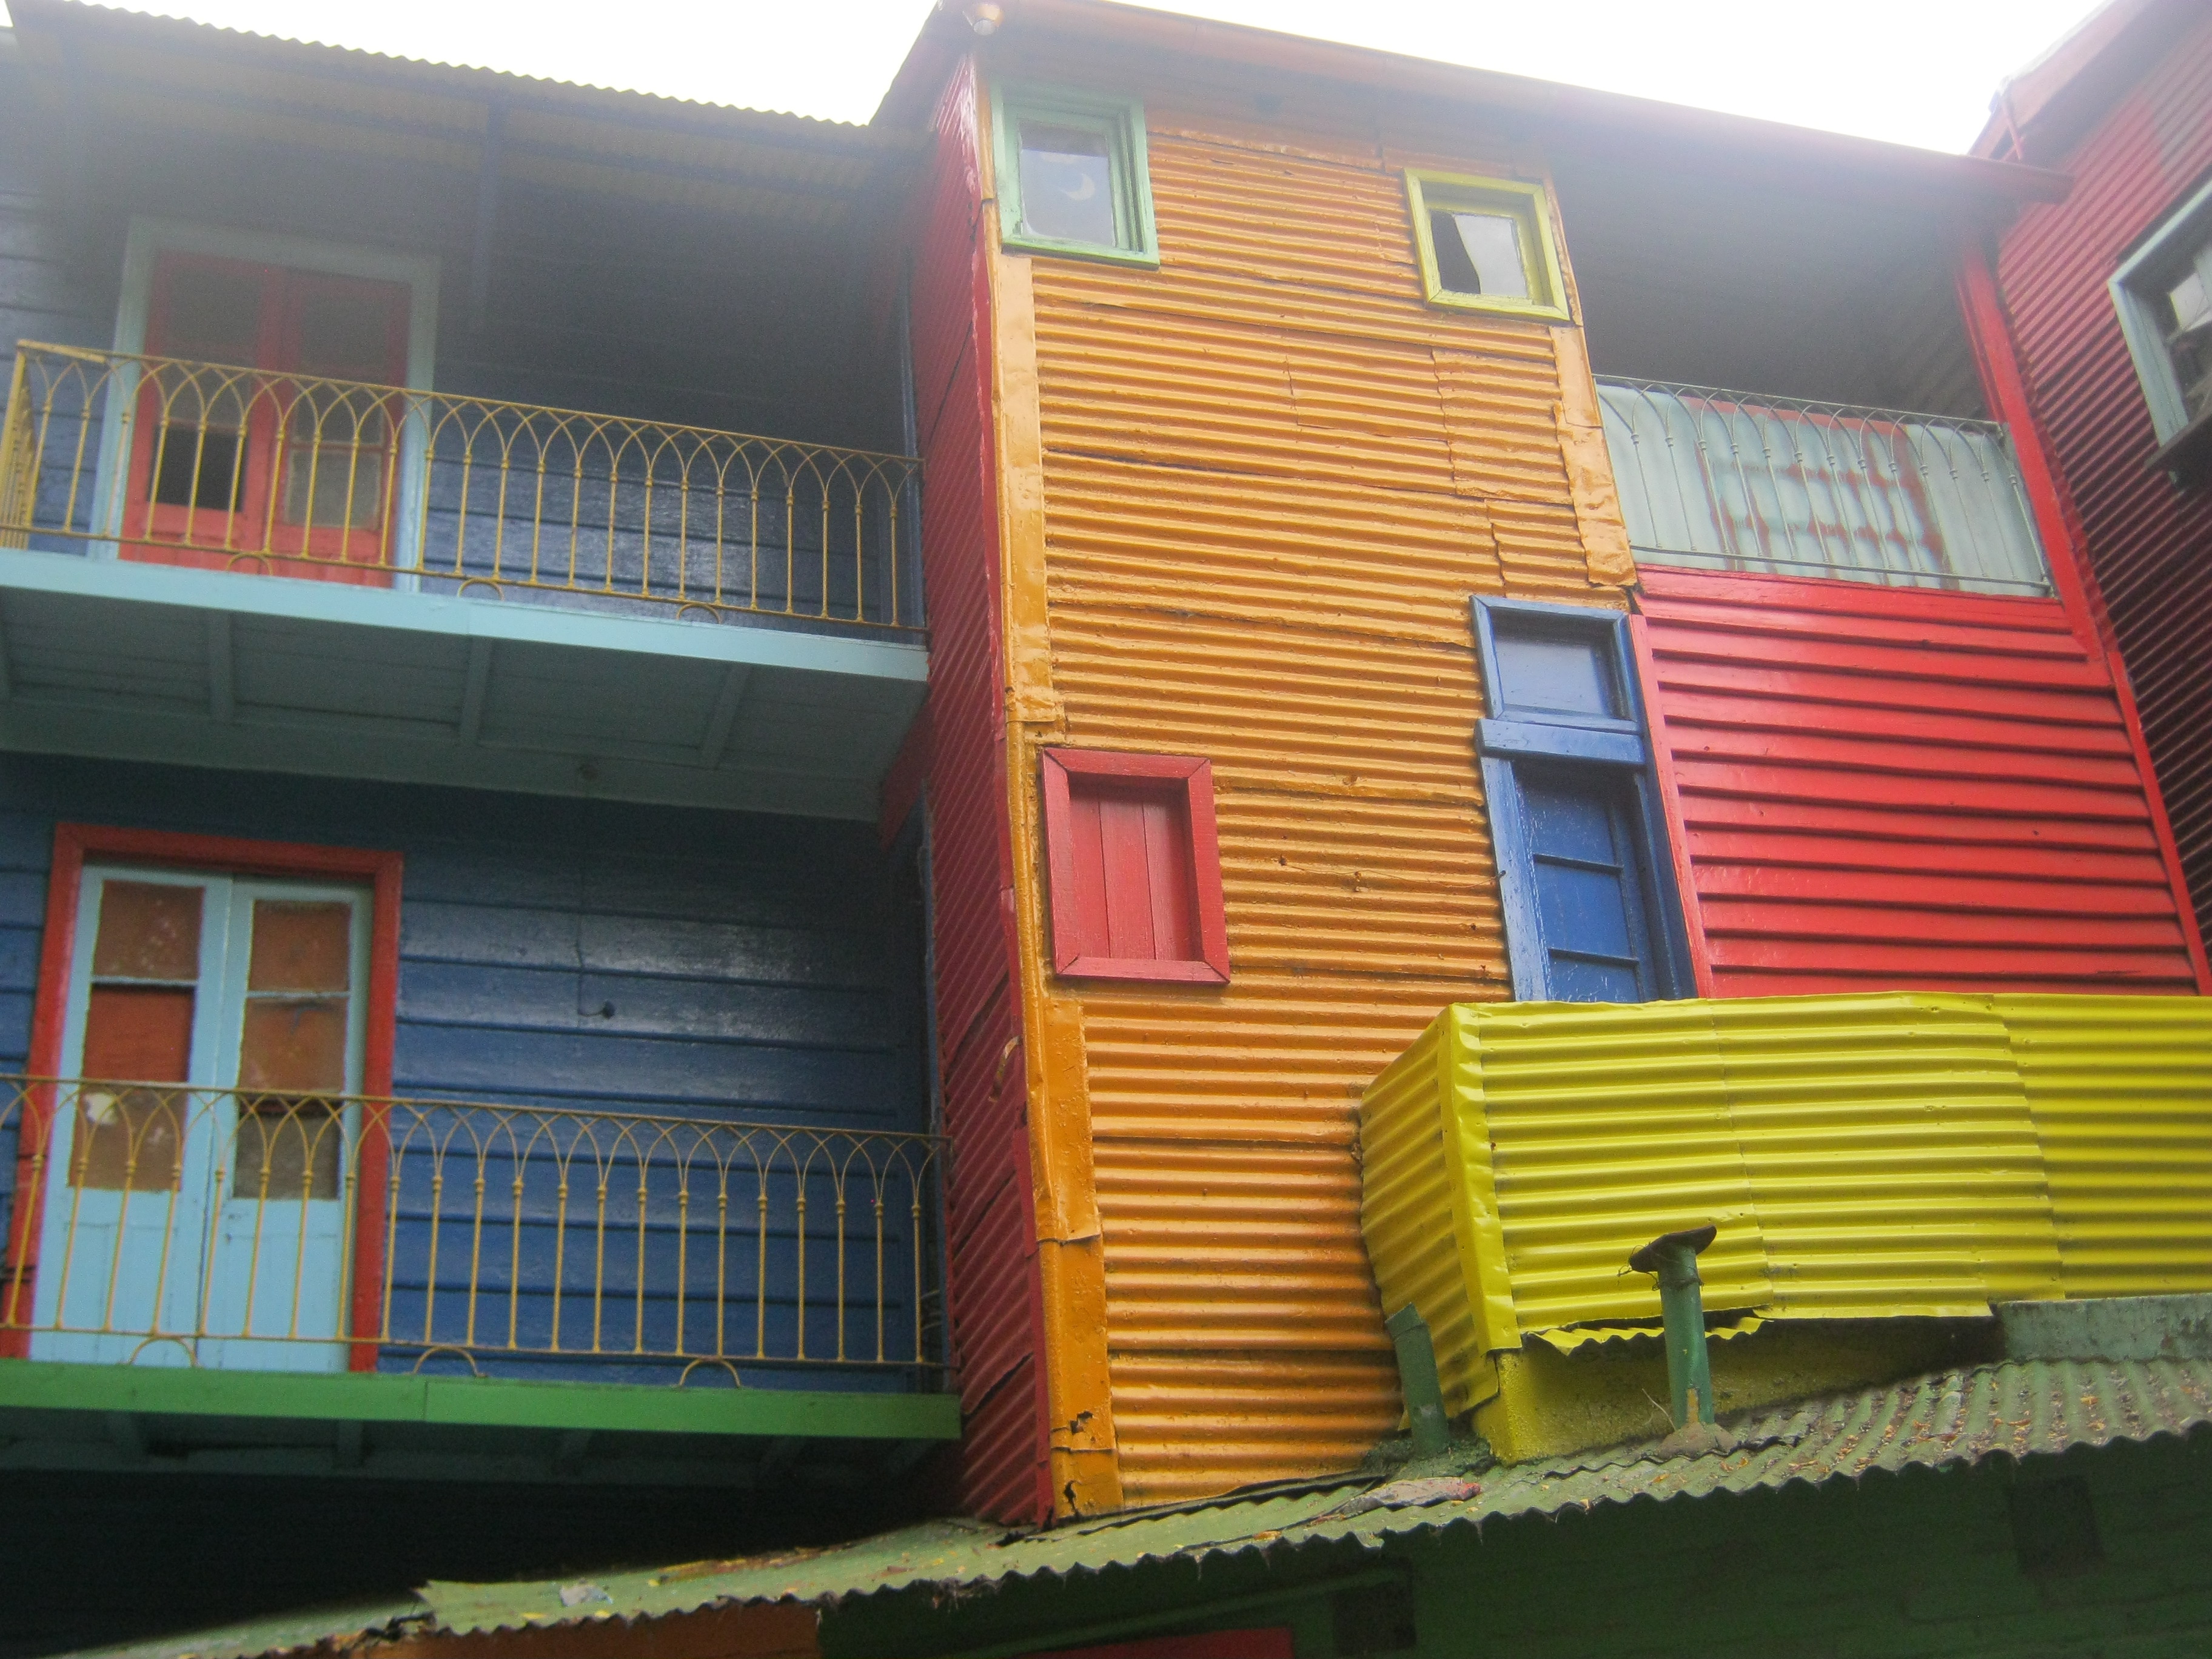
(1515, 739)
(2165, 257)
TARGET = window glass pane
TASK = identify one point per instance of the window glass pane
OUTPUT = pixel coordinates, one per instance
(148, 930)
(300, 946)
(128, 1139)
(293, 1042)
(287, 1149)
(1068, 185)
(2188, 303)
(345, 328)
(1489, 245)
(211, 312)
(1547, 674)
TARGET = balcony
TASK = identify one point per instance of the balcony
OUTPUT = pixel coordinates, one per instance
(1879, 1169)
(1717, 480)
(438, 1289)
(244, 568)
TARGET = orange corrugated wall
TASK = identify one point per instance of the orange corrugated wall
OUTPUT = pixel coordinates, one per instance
(1273, 477)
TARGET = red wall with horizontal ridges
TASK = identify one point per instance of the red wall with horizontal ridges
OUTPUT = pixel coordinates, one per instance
(1899, 787)
(993, 1288)
(2149, 542)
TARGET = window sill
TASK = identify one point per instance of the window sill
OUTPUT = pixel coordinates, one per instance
(2187, 455)
(1146, 969)
(1141, 258)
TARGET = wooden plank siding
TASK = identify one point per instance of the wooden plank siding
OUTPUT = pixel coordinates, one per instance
(563, 953)
(1890, 789)
(1272, 477)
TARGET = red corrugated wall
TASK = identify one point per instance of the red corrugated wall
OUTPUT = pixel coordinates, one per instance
(1895, 787)
(2150, 543)
(993, 1291)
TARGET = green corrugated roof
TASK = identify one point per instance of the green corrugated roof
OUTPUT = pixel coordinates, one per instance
(2018, 1408)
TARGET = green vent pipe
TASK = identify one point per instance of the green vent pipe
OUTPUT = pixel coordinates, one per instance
(1417, 1380)
(1673, 1258)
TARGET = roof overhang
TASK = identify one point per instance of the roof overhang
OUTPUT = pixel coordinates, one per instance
(131, 67)
(1559, 115)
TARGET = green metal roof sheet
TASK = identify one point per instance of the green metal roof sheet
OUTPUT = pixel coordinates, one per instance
(2018, 1408)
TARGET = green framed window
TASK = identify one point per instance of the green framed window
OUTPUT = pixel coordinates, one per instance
(1072, 174)
(1486, 245)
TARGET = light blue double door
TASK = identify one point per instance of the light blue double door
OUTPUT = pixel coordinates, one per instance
(200, 1170)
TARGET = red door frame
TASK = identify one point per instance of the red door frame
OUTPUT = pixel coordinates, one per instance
(73, 843)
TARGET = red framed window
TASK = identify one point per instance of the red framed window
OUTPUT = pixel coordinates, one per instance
(245, 451)
(135, 989)
(1135, 867)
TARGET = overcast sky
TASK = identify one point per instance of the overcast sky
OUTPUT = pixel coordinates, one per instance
(1917, 72)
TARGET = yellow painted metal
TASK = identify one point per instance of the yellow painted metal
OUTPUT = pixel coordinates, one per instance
(1081, 1436)
(1271, 475)
(2121, 1088)
(370, 482)
(1864, 1157)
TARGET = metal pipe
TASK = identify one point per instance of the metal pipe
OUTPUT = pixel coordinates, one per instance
(1418, 1381)
(1673, 1258)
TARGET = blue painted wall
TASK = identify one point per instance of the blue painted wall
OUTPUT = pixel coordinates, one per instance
(583, 955)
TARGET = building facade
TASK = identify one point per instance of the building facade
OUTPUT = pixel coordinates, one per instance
(1318, 699)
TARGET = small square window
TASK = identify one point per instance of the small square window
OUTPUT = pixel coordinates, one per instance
(1135, 867)
(1486, 244)
(1072, 175)
(2164, 295)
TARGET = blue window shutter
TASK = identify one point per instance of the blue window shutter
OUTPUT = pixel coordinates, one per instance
(1592, 912)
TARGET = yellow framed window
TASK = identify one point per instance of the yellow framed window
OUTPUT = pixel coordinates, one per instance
(1486, 245)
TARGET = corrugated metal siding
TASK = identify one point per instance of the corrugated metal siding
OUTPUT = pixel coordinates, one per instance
(1862, 1156)
(1888, 788)
(2125, 1120)
(993, 1278)
(1273, 477)
(2149, 542)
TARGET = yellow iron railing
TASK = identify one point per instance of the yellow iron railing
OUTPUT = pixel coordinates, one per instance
(166, 1223)
(165, 460)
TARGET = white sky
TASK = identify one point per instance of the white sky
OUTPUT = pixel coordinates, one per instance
(1916, 71)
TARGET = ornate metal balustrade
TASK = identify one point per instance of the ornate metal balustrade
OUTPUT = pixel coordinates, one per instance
(166, 1224)
(163, 459)
(1737, 480)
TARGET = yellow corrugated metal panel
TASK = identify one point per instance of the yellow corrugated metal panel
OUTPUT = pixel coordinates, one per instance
(1273, 476)
(2121, 1088)
(1862, 1156)
(1889, 1144)
(1565, 1090)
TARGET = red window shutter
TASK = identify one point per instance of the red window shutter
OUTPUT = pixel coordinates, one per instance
(1135, 867)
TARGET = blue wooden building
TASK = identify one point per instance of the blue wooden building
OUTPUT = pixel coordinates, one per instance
(466, 1011)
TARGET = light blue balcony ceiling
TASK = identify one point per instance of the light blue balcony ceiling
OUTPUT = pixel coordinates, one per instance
(141, 661)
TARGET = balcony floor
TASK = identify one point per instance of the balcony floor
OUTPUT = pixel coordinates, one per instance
(148, 662)
(127, 1419)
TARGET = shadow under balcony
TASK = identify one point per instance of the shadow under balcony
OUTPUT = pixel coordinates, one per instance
(249, 568)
